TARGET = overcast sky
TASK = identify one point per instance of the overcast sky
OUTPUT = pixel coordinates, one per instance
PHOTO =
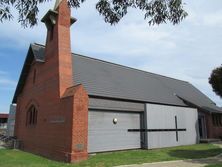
(188, 51)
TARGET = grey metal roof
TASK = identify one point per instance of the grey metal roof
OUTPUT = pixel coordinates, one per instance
(105, 79)
(101, 78)
(189, 93)
(112, 80)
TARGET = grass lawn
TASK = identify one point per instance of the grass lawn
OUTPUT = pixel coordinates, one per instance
(16, 158)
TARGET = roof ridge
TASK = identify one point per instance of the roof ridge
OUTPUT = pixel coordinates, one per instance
(132, 68)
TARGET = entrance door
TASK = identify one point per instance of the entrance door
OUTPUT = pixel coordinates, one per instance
(202, 127)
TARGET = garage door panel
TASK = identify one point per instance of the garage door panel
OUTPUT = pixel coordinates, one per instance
(104, 135)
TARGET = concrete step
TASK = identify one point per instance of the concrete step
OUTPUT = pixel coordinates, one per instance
(210, 140)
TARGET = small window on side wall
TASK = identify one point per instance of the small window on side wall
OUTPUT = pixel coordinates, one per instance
(31, 116)
(217, 120)
(51, 32)
(34, 76)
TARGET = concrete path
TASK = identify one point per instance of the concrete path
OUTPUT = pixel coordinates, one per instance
(181, 163)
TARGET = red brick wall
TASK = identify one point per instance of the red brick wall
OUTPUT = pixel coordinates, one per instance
(79, 122)
(62, 122)
(212, 131)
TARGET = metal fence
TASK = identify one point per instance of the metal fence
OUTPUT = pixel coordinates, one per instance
(3, 125)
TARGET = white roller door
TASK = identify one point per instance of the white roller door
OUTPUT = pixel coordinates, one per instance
(105, 135)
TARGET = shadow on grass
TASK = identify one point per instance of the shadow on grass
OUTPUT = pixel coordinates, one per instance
(194, 154)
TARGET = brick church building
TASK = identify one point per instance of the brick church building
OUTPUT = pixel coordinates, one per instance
(69, 105)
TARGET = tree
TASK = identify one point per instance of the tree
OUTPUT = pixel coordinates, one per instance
(216, 80)
(156, 11)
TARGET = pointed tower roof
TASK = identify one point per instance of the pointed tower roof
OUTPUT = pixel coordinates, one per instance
(57, 4)
(50, 17)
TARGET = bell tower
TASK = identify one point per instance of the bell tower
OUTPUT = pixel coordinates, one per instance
(58, 45)
(70, 100)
